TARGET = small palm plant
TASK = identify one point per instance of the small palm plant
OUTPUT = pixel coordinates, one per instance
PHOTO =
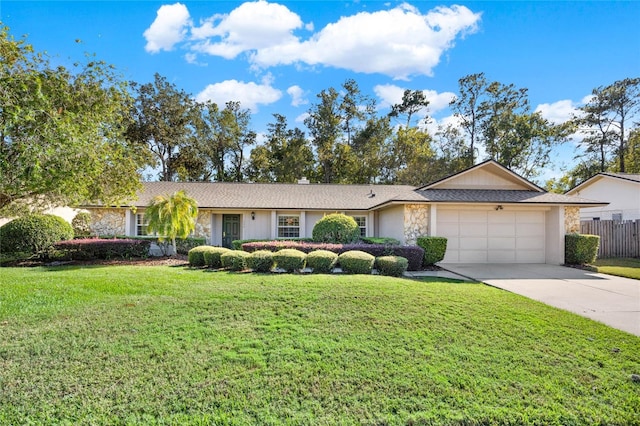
(172, 216)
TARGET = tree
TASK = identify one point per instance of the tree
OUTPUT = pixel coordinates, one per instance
(333, 124)
(413, 101)
(466, 108)
(236, 134)
(163, 119)
(61, 132)
(172, 216)
(605, 119)
(285, 157)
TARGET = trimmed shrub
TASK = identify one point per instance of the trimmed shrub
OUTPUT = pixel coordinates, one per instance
(356, 262)
(235, 260)
(393, 266)
(290, 259)
(81, 224)
(414, 254)
(97, 248)
(34, 233)
(322, 261)
(380, 240)
(434, 249)
(580, 249)
(237, 244)
(336, 228)
(212, 256)
(260, 261)
(196, 255)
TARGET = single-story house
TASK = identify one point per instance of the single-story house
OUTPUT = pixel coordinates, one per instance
(621, 190)
(488, 213)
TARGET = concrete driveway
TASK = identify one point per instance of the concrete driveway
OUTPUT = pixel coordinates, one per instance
(614, 301)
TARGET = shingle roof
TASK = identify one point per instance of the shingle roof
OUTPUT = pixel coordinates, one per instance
(281, 196)
(501, 196)
(628, 176)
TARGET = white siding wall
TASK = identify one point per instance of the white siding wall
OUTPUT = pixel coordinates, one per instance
(622, 196)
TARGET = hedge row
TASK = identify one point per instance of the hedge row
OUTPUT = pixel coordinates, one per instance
(95, 248)
(413, 254)
(292, 260)
(580, 249)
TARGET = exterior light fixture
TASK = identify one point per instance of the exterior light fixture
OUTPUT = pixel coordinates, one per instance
(253, 215)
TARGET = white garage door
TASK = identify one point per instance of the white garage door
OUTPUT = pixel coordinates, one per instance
(490, 236)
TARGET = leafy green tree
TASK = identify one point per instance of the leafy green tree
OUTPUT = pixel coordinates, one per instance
(466, 108)
(163, 118)
(285, 156)
(604, 120)
(237, 135)
(172, 216)
(413, 101)
(333, 123)
(61, 132)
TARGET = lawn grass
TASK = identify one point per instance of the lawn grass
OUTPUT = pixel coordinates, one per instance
(622, 267)
(162, 345)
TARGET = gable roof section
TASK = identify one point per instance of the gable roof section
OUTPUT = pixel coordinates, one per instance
(627, 177)
(272, 196)
(504, 197)
(484, 176)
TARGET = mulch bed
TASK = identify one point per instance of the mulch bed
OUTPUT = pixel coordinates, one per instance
(178, 260)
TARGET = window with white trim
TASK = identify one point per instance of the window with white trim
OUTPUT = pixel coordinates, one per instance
(362, 224)
(288, 226)
(141, 225)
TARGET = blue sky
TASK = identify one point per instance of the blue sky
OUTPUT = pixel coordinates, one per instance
(276, 56)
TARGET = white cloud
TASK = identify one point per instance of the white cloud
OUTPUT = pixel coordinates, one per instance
(558, 112)
(250, 95)
(400, 42)
(251, 26)
(301, 117)
(168, 29)
(297, 96)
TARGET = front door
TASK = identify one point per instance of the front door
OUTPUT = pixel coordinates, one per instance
(230, 229)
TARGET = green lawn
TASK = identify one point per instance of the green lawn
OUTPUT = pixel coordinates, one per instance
(162, 345)
(627, 267)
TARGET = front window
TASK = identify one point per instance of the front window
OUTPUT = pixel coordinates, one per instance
(288, 226)
(362, 224)
(141, 225)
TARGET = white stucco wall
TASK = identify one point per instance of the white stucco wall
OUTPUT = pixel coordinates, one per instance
(391, 223)
(622, 196)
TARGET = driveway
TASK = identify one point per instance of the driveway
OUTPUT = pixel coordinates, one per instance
(614, 301)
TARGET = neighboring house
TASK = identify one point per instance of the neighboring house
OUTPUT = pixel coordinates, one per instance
(620, 190)
(488, 213)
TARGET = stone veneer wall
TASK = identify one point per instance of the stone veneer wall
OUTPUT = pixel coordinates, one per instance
(416, 222)
(108, 222)
(572, 219)
(203, 226)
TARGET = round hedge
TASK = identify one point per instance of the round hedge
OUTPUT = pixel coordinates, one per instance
(260, 261)
(290, 259)
(393, 266)
(322, 261)
(34, 233)
(195, 256)
(336, 228)
(212, 256)
(81, 225)
(235, 260)
(356, 262)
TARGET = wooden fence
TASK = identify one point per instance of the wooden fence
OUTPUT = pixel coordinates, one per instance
(617, 238)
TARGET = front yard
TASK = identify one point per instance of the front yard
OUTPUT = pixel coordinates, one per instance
(625, 267)
(169, 345)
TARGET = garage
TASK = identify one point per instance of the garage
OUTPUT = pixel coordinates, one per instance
(487, 235)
